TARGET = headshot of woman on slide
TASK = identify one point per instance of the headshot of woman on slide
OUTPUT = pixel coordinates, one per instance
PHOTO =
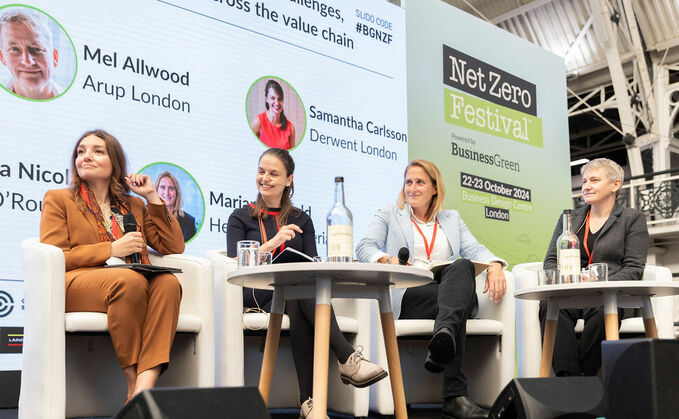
(86, 222)
(271, 126)
(274, 222)
(169, 189)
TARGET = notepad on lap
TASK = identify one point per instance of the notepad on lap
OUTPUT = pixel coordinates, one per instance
(437, 265)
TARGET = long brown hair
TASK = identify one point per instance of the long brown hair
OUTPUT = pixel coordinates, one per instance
(273, 84)
(117, 187)
(286, 201)
(176, 209)
(436, 204)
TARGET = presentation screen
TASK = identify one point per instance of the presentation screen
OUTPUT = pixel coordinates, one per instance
(186, 87)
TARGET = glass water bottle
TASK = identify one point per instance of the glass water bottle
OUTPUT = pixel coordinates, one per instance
(568, 251)
(340, 227)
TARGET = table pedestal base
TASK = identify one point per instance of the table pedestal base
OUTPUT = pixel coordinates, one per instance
(394, 362)
(270, 350)
(321, 354)
(548, 348)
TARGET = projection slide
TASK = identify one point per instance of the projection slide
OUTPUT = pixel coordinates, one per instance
(184, 85)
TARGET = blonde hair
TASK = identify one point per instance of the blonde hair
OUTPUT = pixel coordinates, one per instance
(176, 209)
(612, 169)
(436, 204)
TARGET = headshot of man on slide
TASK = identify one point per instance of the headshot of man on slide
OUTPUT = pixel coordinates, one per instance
(27, 50)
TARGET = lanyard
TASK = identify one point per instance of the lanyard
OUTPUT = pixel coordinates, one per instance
(427, 247)
(262, 231)
(585, 239)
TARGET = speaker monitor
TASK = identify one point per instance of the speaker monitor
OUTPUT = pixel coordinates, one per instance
(554, 397)
(641, 377)
(204, 403)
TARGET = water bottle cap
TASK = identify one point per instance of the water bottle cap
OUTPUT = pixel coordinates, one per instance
(339, 179)
(567, 211)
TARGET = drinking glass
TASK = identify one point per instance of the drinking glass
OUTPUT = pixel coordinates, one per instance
(548, 276)
(598, 272)
(265, 258)
(248, 253)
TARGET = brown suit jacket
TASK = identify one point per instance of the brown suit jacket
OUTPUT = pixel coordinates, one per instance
(73, 228)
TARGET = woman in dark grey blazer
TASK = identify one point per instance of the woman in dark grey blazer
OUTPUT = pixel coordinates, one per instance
(608, 233)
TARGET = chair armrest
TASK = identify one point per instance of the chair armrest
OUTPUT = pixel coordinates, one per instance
(44, 337)
(197, 300)
(197, 283)
(228, 325)
(663, 307)
(503, 310)
(528, 338)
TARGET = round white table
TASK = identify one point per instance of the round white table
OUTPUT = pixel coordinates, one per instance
(612, 294)
(323, 281)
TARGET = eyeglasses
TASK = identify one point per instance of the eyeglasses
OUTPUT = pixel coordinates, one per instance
(33, 51)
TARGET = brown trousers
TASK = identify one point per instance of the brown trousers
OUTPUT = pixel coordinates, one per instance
(142, 314)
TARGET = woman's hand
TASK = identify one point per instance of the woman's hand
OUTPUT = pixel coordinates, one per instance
(392, 260)
(130, 243)
(496, 283)
(287, 232)
(143, 185)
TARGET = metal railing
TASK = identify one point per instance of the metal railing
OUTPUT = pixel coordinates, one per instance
(657, 198)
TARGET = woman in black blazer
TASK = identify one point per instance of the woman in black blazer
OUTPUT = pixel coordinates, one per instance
(608, 233)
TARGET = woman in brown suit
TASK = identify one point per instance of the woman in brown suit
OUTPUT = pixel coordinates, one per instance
(86, 222)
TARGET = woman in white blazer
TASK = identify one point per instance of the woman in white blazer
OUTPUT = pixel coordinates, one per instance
(430, 233)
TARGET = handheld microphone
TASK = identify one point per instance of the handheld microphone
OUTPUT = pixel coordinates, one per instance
(403, 255)
(130, 225)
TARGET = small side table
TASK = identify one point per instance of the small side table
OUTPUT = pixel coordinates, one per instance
(613, 294)
(323, 280)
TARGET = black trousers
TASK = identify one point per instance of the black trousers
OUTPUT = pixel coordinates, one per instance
(450, 302)
(570, 355)
(302, 315)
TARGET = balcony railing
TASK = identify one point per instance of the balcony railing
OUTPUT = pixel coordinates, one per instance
(657, 198)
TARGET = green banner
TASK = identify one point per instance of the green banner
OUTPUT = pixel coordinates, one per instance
(470, 112)
(490, 110)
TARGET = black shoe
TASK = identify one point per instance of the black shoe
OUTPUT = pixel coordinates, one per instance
(441, 350)
(462, 407)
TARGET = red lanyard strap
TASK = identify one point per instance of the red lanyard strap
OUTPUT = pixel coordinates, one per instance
(427, 247)
(262, 231)
(585, 240)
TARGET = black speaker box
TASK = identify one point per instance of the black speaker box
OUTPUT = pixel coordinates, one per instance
(641, 377)
(554, 397)
(204, 403)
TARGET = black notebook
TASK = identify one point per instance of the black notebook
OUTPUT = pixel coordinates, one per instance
(146, 269)
(289, 255)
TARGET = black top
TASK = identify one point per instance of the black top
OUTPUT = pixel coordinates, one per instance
(242, 226)
(188, 225)
(622, 242)
(591, 238)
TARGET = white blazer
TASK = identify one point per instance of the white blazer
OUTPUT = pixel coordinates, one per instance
(391, 229)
